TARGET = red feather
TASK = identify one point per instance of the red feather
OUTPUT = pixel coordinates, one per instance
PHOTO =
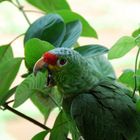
(50, 58)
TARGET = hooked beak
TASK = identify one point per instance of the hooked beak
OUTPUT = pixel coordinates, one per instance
(39, 65)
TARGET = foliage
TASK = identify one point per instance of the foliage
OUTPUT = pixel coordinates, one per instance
(58, 27)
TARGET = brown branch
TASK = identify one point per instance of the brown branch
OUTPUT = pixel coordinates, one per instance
(6, 106)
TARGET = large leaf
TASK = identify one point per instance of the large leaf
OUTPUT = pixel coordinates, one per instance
(73, 31)
(69, 16)
(28, 87)
(121, 47)
(50, 5)
(61, 128)
(50, 28)
(34, 48)
(91, 50)
(40, 135)
(46, 101)
(8, 72)
(5, 52)
(42, 97)
(128, 78)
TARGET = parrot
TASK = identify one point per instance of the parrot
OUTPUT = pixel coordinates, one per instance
(101, 107)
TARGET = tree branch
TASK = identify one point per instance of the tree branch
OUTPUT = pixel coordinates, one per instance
(6, 106)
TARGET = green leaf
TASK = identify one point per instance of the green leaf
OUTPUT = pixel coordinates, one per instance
(34, 88)
(121, 47)
(73, 31)
(34, 49)
(127, 78)
(137, 39)
(4, 0)
(91, 50)
(43, 100)
(50, 28)
(50, 5)
(8, 94)
(136, 32)
(40, 135)
(5, 52)
(69, 16)
(60, 129)
(28, 87)
(8, 72)
(62, 126)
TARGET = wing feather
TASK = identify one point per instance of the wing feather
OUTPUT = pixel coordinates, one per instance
(106, 113)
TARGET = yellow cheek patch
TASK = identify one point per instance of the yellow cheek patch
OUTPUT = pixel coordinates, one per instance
(53, 67)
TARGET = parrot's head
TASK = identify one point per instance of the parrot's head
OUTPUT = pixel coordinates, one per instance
(67, 69)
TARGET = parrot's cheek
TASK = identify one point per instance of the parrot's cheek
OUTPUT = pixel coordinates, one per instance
(53, 67)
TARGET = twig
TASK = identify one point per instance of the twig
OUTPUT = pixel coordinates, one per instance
(10, 101)
(24, 14)
(6, 106)
(14, 3)
(20, 7)
(33, 11)
(16, 38)
(135, 77)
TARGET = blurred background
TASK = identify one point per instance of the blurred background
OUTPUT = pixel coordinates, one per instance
(110, 18)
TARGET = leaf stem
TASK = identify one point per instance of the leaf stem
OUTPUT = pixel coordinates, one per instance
(6, 106)
(135, 77)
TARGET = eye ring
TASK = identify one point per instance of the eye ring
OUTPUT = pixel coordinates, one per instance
(61, 62)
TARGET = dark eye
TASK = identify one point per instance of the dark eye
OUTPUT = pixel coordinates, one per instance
(61, 62)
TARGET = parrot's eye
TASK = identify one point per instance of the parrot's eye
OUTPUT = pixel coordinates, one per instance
(61, 62)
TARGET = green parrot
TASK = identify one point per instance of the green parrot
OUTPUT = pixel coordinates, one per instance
(101, 108)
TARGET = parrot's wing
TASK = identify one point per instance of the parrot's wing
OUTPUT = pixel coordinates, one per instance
(93, 120)
(102, 66)
(106, 114)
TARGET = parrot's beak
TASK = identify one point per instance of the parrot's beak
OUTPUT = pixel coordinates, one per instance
(39, 65)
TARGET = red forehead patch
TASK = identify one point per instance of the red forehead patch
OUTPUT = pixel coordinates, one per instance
(50, 58)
